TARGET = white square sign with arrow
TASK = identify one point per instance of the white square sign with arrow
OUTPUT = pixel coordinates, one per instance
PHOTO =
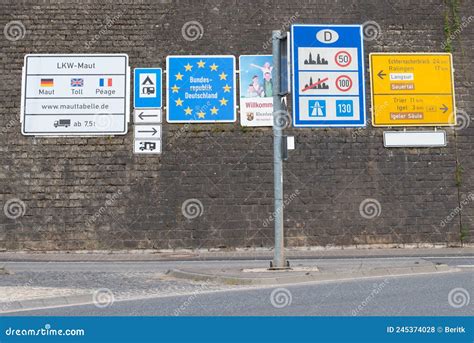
(148, 131)
(147, 139)
(147, 116)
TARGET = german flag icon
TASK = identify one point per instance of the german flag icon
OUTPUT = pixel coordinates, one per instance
(47, 83)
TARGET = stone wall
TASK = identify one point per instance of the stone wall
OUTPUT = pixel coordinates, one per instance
(93, 193)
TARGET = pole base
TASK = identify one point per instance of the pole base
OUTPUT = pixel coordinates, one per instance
(287, 267)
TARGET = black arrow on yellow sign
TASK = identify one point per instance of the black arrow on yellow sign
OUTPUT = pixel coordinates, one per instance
(444, 108)
(381, 74)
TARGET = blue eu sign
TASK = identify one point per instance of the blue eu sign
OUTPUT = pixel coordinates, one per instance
(201, 89)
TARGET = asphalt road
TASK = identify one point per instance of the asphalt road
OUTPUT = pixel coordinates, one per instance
(393, 296)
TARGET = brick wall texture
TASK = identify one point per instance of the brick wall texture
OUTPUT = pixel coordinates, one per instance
(93, 193)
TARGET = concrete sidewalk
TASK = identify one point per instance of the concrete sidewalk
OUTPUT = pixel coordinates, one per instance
(239, 254)
(24, 290)
(321, 270)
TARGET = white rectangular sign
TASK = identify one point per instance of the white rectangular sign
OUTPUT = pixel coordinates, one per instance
(147, 116)
(256, 90)
(75, 94)
(414, 139)
(147, 146)
(290, 142)
(147, 131)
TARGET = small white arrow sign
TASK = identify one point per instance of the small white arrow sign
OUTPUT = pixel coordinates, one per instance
(147, 146)
(147, 116)
(148, 131)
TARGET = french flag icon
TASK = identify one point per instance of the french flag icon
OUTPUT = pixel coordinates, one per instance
(103, 82)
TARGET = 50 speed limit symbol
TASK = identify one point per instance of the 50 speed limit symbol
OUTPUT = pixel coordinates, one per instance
(343, 83)
(343, 58)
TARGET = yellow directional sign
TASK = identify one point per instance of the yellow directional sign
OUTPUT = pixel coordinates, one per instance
(412, 89)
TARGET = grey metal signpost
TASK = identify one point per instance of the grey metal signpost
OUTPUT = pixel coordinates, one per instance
(279, 118)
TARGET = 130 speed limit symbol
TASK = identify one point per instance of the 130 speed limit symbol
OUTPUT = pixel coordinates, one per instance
(343, 83)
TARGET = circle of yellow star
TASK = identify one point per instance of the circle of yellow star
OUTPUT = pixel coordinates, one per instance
(223, 102)
(226, 88)
(214, 110)
(223, 76)
(201, 114)
(188, 67)
(201, 64)
(179, 76)
(175, 89)
(179, 102)
(214, 67)
(188, 111)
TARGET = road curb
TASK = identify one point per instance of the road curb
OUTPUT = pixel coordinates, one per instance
(236, 254)
(304, 277)
(32, 304)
